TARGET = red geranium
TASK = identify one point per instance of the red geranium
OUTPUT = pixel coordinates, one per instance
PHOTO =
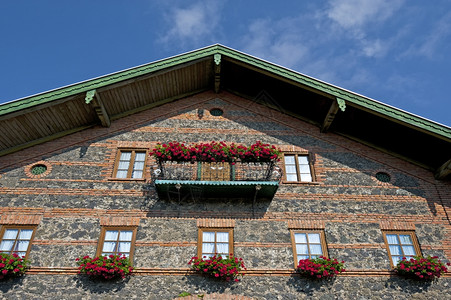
(420, 268)
(321, 267)
(105, 267)
(12, 265)
(228, 268)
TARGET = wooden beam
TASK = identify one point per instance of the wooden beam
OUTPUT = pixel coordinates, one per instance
(93, 97)
(333, 110)
(443, 171)
(217, 58)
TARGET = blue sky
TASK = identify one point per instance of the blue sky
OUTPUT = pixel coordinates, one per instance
(394, 51)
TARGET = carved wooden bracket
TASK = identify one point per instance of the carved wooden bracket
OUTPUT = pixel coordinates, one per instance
(93, 98)
(217, 59)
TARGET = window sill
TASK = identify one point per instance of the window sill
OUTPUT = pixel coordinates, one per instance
(126, 179)
(301, 182)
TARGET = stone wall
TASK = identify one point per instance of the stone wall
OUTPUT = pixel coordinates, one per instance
(351, 203)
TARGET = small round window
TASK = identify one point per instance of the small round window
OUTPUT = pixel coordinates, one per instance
(38, 169)
(216, 112)
(383, 177)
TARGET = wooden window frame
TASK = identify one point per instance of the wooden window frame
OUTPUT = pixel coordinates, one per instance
(19, 227)
(296, 155)
(118, 228)
(132, 161)
(412, 235)
(213, 229)
(322, 238)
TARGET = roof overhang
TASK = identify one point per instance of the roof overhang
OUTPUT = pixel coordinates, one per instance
(100, 101)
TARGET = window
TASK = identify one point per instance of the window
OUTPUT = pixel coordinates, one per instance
(308, 244)
(401, 244)
(130, 164)
(16, 240)
(117, 240)
(297, 167)
(215, 241)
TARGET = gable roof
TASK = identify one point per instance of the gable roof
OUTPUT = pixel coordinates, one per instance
(42, 117)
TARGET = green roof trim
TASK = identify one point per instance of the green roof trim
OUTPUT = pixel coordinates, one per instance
(214, 51)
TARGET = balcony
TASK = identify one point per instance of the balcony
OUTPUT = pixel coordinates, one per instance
(200, 180)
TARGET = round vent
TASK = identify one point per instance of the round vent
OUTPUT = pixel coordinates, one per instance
(38, 169)
(216, 112)
(383, 177)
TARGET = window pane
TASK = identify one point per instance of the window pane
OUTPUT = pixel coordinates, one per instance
(124, 247)
(137, 174)
(303, 160)
(304, 169)
(292, 177)
(121, 174)
(208, 236)
(405, 239)
(395, 250)
(140, 156)
(408, 250)
(111, 235)
(25, 234)
(6, 245)
(123, 165)
(208, 248)
(301, 249)
(125, 155)
(222, 237)
(138, 166)
(306, 177)
(315, 249)
(22, 246)
(300, 238)
(10, 234)
(207, 255)
(302, 257)
(289, 160)
(125, 235)
(290, 169)
(109, 247)
(395, 259)
(223, 248)
(314, 238)
(392, 239)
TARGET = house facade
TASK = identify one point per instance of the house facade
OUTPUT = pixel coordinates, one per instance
(357, 180)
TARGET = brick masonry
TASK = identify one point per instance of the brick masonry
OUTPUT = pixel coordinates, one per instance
(78, 194)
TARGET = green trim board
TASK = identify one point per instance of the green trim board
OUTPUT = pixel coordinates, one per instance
(225, 52)
(217, 189)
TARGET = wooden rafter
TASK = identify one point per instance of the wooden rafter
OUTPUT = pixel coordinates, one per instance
(444, 170)
(333, 110)
(96, 102)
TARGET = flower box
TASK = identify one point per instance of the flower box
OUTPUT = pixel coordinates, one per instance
(105, 267)
(217, 267)
(320, 268)
(420, 268)
(12, 266)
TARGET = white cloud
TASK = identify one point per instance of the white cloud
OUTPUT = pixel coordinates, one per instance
(193, 23)
(354, 14)
(275, 41)
(375, 48)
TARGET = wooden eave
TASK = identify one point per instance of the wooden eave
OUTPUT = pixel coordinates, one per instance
(39, 118)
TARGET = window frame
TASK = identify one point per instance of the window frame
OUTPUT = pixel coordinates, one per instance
(298, 174)
(19, 227)
(322, 238)
(413, 237)
(131, 164)
(103, 231)
(213, 229)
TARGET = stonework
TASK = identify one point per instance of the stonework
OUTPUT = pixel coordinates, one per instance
(345, 197)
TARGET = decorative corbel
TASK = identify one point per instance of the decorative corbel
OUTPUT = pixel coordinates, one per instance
(443, 171)
(93, 98)
(337, 105)
(217, 59)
